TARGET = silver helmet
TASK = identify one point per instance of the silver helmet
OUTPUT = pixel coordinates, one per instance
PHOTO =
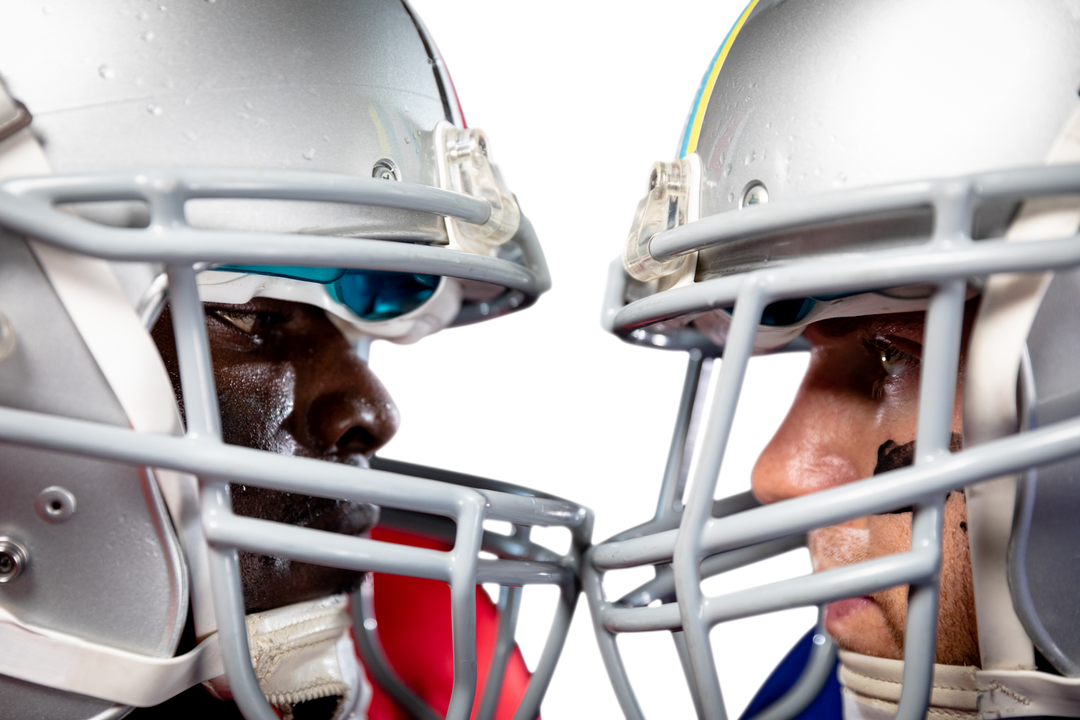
(845, 160)
(220, 152)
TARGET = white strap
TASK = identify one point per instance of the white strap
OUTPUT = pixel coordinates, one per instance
(871, 689)
(65, 662)
(92, 296)
(1006, 312)
(1004, 694)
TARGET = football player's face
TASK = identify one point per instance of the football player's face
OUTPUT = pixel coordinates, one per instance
(289, 382)
(856, 415)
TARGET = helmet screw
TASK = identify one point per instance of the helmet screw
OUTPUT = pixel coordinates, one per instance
(13, 558)
(755, 194)
(385, 169)
(55, 504)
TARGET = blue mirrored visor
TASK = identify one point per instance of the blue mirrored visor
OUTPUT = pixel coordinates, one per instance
(371, 294)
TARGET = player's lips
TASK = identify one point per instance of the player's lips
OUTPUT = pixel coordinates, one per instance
(835, 612)
(339, 516)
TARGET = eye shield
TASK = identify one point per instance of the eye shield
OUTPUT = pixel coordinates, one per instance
(371, 295)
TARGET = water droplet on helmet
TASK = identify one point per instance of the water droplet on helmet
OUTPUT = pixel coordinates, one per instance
(731, 197)
(309, 154)
(106, 72)
(148, 35)
(153, 109)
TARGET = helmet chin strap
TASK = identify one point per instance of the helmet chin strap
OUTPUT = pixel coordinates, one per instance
(305, 652)
(871, 689)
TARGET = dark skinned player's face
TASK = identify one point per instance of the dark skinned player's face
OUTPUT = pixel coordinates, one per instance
(289, 382)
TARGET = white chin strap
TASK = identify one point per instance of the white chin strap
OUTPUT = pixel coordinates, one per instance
(871, 691)
(305, 652)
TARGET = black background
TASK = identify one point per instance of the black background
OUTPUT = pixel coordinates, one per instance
(578, 99)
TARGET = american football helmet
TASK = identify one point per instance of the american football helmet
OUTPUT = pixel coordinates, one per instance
(847, 159)
(220, 152)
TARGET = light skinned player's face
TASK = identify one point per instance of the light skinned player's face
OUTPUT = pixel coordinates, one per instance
(856, 415)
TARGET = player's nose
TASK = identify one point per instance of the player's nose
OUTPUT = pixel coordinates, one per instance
(358, 419)
(819, 445)
(341, 406)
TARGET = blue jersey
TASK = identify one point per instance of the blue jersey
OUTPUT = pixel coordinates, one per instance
(826, 706)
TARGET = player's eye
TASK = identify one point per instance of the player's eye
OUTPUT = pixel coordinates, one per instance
(250, 323)
(894, 361)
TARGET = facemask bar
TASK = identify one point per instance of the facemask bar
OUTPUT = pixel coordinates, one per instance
(947, 262)
(26, 206)
(662, 586)
(517, 546)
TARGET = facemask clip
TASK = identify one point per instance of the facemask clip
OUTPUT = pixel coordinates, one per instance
(670, 202)
(466, 167)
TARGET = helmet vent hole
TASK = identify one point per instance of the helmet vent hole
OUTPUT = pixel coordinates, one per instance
(55, 504)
